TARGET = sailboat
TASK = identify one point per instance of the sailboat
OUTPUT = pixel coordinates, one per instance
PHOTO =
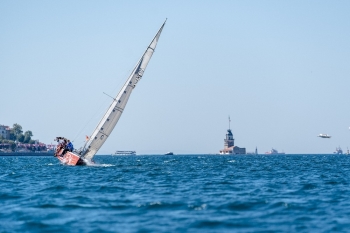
(105, 127)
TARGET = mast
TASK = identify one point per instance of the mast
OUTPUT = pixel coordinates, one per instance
(111, 117)
(229, 122)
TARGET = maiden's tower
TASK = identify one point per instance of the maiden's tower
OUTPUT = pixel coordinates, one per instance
(229, 144)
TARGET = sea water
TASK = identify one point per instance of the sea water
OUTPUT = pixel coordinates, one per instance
(178, 193)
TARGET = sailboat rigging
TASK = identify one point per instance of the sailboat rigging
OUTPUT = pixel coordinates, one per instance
(112, 115)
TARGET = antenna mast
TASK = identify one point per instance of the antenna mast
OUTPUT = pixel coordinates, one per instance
(229, 122)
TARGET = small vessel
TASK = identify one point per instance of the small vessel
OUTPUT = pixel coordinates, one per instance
(324, 135)
(338, 151)
(274, 152)
(125, 152)
(105, 127)
(169, 153)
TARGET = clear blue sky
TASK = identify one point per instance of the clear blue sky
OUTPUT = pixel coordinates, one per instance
(280, 69)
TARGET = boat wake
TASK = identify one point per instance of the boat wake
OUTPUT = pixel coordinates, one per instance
(100, 165)
(93, 164)
(90, 163)
(104, 165)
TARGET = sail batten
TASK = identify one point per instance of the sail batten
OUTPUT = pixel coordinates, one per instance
(113, 113)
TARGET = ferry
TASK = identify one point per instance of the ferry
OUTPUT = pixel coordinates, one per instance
(274, 152)
(126, 152)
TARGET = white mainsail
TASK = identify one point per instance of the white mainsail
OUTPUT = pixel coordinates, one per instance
(111, 117)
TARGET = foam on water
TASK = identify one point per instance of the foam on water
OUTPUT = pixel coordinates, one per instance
(96, 164)
(101, 165)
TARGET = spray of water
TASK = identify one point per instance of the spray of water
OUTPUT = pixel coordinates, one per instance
(94, 164)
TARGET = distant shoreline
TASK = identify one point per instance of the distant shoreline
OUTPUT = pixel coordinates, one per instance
(227, 155)
(52, 154)
(27, 154)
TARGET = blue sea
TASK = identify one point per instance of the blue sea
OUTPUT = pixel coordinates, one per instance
(178, 193)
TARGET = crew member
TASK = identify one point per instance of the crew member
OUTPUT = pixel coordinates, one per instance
(62, 142)
(68, 147)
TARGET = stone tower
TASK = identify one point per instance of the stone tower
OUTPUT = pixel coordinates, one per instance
(229, 145)
(229, 141)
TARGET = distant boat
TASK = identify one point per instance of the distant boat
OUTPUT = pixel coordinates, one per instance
(274, 152)
(169, 153)
(324, 135)
(338, 151)
(126, 152)
(84, 155)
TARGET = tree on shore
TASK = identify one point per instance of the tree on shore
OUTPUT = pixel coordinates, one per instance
(17, 129)
(16, 134)
(12, 136)
(28, 136)
(20, 138)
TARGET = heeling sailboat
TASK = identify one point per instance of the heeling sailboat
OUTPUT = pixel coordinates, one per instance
(111, 117)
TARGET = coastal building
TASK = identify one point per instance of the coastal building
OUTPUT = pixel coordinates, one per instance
(5, 131)
(229, 144)
(13, 146)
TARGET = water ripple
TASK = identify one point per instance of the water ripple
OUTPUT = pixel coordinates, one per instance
(210, 193)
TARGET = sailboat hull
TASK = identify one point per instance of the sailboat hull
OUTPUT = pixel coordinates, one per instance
(71, 159)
